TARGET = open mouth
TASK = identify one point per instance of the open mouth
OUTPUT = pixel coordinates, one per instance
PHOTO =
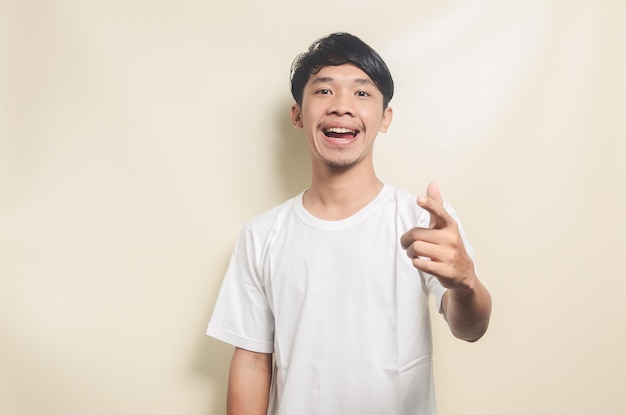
(340, 133)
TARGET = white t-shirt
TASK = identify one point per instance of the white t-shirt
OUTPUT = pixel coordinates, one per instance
(339, 304)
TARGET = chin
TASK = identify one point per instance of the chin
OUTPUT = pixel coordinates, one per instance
(340, 164)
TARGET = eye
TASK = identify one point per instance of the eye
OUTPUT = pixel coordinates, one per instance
(323, 91)
(362, 94)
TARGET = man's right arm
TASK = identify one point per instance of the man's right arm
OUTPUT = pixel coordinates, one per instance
(249, 383)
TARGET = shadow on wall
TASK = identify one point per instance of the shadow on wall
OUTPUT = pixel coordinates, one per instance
(293, 162)
(211, 358)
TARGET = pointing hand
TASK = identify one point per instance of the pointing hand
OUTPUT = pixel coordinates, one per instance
(439, 249)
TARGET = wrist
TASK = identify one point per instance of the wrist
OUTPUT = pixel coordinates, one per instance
(466, 288)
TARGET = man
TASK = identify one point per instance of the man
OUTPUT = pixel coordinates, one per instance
(326, 295)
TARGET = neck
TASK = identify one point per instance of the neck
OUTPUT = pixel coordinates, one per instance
(336, 194)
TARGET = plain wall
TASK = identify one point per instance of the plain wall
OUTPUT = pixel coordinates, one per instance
(136, 137)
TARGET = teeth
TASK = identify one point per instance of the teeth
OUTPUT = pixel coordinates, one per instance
(340, 130)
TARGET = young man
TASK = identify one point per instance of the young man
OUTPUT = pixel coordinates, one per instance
(326, 295)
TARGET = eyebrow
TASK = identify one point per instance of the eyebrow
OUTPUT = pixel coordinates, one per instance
(324, 79)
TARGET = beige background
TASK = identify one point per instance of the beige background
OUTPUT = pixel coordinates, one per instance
(136, 137)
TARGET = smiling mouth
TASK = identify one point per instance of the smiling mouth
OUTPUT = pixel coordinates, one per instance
(340, 132)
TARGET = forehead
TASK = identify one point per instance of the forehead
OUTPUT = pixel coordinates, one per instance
(346, 73)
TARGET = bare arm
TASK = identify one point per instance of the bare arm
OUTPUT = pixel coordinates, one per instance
(467, 311)
(249, 383)
(439, 251)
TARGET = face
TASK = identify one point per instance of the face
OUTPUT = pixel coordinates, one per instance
(341, 115)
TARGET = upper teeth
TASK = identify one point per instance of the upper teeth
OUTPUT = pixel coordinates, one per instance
(340, 130)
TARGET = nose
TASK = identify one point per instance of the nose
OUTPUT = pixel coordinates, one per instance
(341, 105)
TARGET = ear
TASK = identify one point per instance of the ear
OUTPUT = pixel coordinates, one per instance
(296, 116)
(387, 117)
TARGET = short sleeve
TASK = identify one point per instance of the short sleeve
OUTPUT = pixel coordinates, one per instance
(242, 316)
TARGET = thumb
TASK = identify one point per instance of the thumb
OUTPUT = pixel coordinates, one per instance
(433, 192)
(433, 203)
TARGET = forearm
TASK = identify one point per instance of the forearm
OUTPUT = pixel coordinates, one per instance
(249, 383)
(467, 311)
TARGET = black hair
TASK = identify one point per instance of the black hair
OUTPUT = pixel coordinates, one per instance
(338, 49)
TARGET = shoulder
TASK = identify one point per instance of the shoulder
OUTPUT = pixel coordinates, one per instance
(407, 210)
(257, 233)
(405, 199)
(263, 223)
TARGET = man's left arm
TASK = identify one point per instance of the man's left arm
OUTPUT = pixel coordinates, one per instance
(439, 251)
(467, 311)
